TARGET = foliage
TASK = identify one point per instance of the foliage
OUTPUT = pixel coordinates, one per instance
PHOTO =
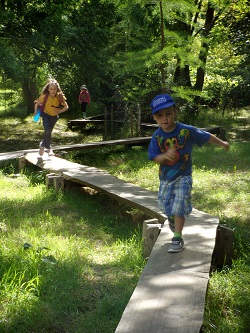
(103, 43)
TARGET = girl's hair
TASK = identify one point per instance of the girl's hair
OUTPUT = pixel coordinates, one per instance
(46, 87)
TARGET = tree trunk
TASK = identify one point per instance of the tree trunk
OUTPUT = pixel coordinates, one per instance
(182, 75)
(163, 82)
(28, 87)
(200, 73)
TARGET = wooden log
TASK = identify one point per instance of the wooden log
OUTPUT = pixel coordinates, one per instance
(112, 121)
(58, 183)
(49, 180)
(69, 125)
(131, 121)
(223, 250)
(145, 224)
(21, 163)
(150, 231)
(105, 134)
(64, 154)
(138, 130)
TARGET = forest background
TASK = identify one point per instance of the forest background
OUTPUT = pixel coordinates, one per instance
(197, 50)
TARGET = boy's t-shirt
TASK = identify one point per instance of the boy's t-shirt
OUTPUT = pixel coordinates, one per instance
(182, 138)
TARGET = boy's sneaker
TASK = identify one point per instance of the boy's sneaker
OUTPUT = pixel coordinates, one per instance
(171, 223)
(177, 245)
(41, 149)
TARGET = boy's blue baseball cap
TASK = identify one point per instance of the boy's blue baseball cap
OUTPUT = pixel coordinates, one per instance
(161, 102)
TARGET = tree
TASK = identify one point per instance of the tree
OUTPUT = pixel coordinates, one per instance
(145, 46)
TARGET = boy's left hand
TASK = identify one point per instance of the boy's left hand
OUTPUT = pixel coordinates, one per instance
(226, 145)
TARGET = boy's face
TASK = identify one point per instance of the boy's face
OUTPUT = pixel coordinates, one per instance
(165, 118)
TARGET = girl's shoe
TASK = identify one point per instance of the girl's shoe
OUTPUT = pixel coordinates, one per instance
(41, 149)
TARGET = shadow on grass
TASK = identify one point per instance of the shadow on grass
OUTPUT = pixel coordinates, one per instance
(80, 288)
(71, 296)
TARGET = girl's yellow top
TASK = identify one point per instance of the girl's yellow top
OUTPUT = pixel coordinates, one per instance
(51, 102)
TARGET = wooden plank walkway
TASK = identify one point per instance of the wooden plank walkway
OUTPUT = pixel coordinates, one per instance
(136, 141)
(99, 119)
(170, 294)
(216, 130)
(100, 180)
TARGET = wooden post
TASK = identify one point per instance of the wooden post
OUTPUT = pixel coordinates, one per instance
(64, 154)
(138, 120)
(112, 121)
(49, 180)
(223, 250)
(145, 225)
(58, 183)
(131, 122)
(150, 231)
(69, 125)
(21, 163)
(105, 124)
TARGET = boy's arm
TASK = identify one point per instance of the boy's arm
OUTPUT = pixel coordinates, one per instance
(216, 141)
(169, 155)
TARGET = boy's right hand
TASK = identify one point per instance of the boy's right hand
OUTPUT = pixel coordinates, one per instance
(170, 157)
(170, 154)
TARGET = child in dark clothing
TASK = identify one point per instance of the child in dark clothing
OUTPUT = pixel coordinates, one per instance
(171, 147)
(84, 100)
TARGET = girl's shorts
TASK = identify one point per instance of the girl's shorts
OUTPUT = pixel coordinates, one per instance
(174, 198)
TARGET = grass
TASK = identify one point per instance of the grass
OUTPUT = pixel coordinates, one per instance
(228, 302)
(63, 263)
(70, 261)
(222, 188)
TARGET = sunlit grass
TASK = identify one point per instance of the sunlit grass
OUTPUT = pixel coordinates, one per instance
(17, 134)
(221, 187)
(228, 302)
(83, 254)
(62, 262)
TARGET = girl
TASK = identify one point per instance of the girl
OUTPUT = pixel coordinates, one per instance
(84, 99)
(51, 102)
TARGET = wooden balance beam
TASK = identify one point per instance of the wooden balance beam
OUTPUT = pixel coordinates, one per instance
(170, 294)
(129, 142)
(101, 181)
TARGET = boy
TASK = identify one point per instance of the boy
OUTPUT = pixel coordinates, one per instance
(171, 147)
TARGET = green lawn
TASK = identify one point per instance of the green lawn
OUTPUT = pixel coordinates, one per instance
(70, 261)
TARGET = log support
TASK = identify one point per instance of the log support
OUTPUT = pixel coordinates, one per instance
(150, 231)
(55, 181)
(21, 163)
(223, 251)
